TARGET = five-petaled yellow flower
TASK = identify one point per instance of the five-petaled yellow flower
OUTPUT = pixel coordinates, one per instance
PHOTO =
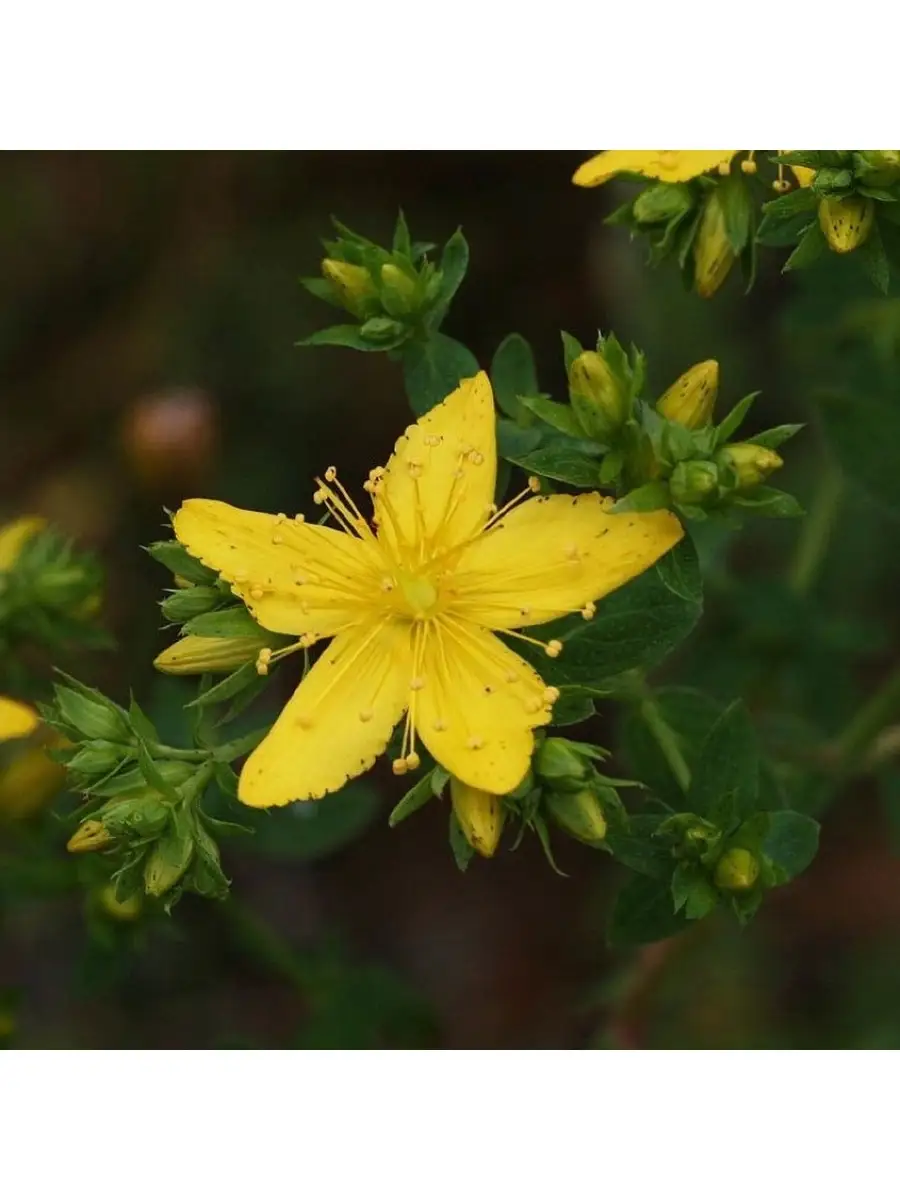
(411, 603)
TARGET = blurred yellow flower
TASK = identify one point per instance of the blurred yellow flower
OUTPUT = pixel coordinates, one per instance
(13, 537)
(412, 605)
(29, 779)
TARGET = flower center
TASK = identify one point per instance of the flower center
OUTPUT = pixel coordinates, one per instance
(419, 593)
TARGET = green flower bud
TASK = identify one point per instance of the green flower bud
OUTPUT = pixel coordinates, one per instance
(97, 758)
(354, 284)
(139, 813)
(170, 859)
(713, 254)
(751, 464)
(380, 330)
(399, 284)
(190, 602)
(90, 835)
(691, 398)
(92, 715)
(662, 202)
(480, 816)
(558, 762)
(736, 871)
(193, 655)
(878, 168)
(694, 482)
(579, 813)
(119, 910)
(598, 398)
(846, 222)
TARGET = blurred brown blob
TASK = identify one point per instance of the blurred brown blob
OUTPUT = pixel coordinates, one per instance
(170, 440)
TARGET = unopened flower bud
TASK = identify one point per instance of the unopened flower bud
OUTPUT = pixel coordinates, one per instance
(13, 537)
(879, 168)
(736, 871)
(119, 910)
(751, 464)
(353, 283)
(579, 813)
(90, 835)
(190, 602)
(694, 482)
(691, 398)
(480, 816)
(92, 715)
(662, 202)
(170, 859)
(846, 222)
(558, 762)
(597, 396)
(400, 284)
(193, 655)
(713, 253)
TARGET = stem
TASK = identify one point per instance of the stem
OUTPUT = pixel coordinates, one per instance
(666, 740)
(160, 751)
(260, 941)
(853, 741)
(815, 533)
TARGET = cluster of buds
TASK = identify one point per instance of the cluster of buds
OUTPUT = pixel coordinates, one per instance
(144, 798)
(49, 592)
(395, 295)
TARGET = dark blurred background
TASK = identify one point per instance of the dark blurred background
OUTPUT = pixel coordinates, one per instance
(149, 306)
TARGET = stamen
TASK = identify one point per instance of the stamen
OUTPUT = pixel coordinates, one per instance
(366, 715)
(748, 166)
(589, 610)
(256, 593)
(413, 762)
(551, 695)
(399, 766)
(552, 649)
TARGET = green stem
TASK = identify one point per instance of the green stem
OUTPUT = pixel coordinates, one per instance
(856, 737)
(815, 533)
(160, 751)
(260, 941)
(665, 738)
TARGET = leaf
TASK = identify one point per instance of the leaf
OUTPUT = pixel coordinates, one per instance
(227, 622)
(641, 854)
(737, 210)
(462, 851)
(809, 249)
(690, 714)
(227, 687)
(647, 498)
(571, 349)
(692, 892)
(768, 502)
(572, 707)
(725, 783)
(513, 374)
(453, 266)
(153, 775)
(560, 462)
(791, 842)
(228, 751)
(560, 417)
(322, 289)
(348, 336)
(173, 556)
(872, 258)
(772, 438)
(314, 829)
(433, 369)
(643, 912)
(141, 723)
(636, 626)
(785, 219)
(733, 421)
(401, 243)
(418, 795)
(863, 433)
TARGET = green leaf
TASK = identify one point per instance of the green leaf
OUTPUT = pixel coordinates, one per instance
(647, 498)
(227, 687)
(692, 892)
(402, 243)
(571, 349)
(154, 776)
(733, 421)
(513, 374)
(418, 795)
(791, 842)
(173, 556)
(433, 369)
(737, 210)
(141, 723)
(322, 289)
(772, 438)
(229, 751)
(725, 783)
(872, 258)
(227, 622)
(641, 853)
(690, 714)
(558, 461)
(768, 502)
(573, 706)
(315, 829)
(348, 336)
(635, 626)
(809, 249)
(864, 432)
(453, 266)
(462, 851)
(560, 417)
(643, 912)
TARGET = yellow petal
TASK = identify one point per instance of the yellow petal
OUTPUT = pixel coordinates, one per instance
(438, 486)
(670, 166)
(337, 722)
(478, 706)
(294, 577)
(803, 175)
(14, 536)
(16, 719)
(554, 555)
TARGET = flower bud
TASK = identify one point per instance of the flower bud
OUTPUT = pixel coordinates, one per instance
(691, 398)
(736, 871)
(694, 482)
(751, 464)
(90, 835)
(597, 396)
(17, 720)
(170, 859)
(380, 330)
(193, 655)
(661, 203)
(354, 284)
(190, 602)
(401, 285)
(92, 715)
(480, 816)
(96, 758)
(579, 813)
(713, 253)
(119, 910)
(13, 537)
(879, 168)
(846, 222)
(558, 762)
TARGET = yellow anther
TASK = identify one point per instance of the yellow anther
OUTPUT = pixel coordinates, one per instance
(439, 726)
(781, 185)
(280, 518)
(303, 721)
(551, 695)
(476, 458)
(511, 677)
(748, 166)
(399, 766)
(413, 761)
(533, 705)
(475, 743)
(330, 474)
(299, 518)
(277, 539)
(319, 496)
(256, 593)
(724, 168)
(366, 715)
(589, 610)
(534, 484)
(554, 648)
(417, 683)
(387, 584)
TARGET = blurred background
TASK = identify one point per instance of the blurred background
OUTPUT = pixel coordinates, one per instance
(149, 306)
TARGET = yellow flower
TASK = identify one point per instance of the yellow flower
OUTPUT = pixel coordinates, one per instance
(16, 719)
(670, 166)
(412, 604)
(13, 537)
